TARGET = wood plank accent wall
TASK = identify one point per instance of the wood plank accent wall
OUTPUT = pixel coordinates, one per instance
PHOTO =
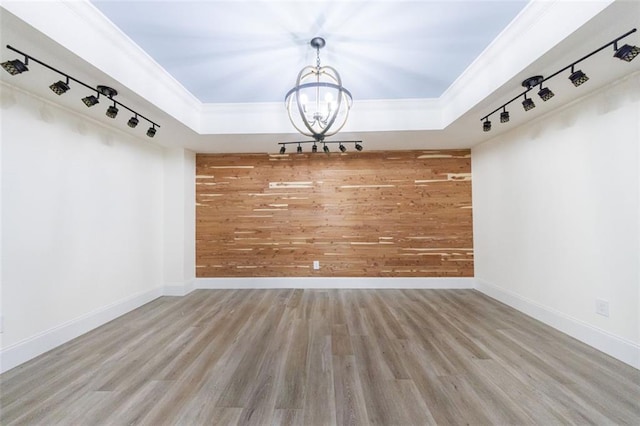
(361, 214)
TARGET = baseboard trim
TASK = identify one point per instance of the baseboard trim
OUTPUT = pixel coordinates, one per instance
(615, 346)
(179, 289)
(27, 349)
(335, 282)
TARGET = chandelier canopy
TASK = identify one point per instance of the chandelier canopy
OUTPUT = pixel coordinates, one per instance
(318, 105)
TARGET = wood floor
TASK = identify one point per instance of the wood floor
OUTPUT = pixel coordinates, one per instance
(313, 357)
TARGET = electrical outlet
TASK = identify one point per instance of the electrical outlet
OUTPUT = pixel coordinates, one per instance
(316, 264)
(602, 307)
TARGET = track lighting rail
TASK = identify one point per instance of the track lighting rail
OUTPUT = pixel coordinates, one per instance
(99, 90)
(530, 83)
(325, 148)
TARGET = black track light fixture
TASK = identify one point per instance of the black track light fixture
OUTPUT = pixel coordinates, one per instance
(133, 121)
(545, 93)
(60, 87)
(325, 146)
(91, 100)
(532, 82)
(107, 91)
(577, 77)
(16, 66)
(112, 111)
(528, 103)
(504, 116)
(626, 52)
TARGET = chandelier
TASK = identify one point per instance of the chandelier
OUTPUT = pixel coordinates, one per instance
(318, 105)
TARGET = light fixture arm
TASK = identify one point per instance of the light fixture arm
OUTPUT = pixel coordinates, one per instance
(570, 66)
(68, 77)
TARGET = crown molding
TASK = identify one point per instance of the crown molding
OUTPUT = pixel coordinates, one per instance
(88, 34)
(524, 41)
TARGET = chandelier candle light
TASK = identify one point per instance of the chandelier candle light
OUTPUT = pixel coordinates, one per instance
(318, 105)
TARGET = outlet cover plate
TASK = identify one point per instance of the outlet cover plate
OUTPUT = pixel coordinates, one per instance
(602, 307)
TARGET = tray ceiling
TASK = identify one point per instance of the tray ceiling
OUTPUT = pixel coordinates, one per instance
(251, 51)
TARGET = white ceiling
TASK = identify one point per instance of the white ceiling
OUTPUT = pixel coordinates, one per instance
(251, 51)
(213, 74)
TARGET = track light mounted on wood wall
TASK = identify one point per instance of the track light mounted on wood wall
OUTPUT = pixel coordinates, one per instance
(314, 148)
(16, 66)
(577, 77)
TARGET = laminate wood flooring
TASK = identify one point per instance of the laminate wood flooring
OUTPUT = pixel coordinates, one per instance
(322, 357)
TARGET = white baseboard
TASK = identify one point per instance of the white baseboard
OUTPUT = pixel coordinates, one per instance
(335, 282)
(179, 288)
(27, 349)
(617, 347)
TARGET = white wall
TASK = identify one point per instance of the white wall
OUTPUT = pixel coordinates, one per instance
(82, 224)
(556, 218)
(180, 221)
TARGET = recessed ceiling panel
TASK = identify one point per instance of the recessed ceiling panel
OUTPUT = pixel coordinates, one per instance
(251, 51)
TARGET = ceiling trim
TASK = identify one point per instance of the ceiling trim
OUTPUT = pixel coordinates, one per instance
(524, 41)
(91, 36)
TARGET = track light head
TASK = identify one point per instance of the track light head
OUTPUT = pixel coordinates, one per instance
(16, 66)
(358, 147)
(342, 148)
(528, 103)
(282, 149)
(314, 148)
(325, 149)
(504, 116)
(545, 93)
(578, 77)
(486, 126)
(60, 87)
(133, 122)
(112, 111)
(627, 52)
(90, 101)
(152, 131)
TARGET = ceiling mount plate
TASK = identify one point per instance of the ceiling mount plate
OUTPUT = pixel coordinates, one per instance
(532, 81)
(107, 91)
(317, 42)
